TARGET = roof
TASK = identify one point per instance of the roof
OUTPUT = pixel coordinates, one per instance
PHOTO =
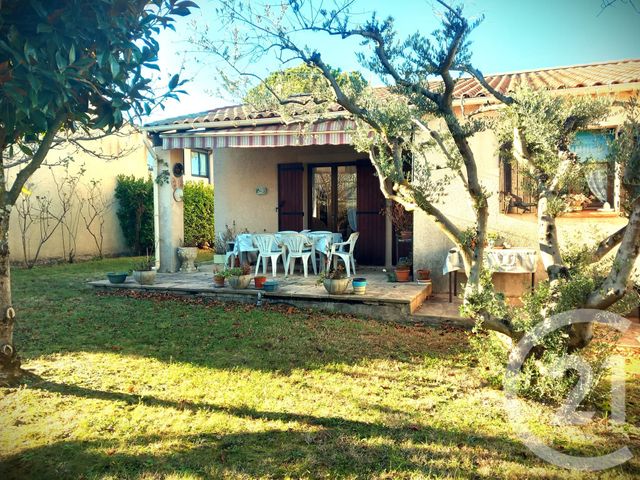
(556, 78)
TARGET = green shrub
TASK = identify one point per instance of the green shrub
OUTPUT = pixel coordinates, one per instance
(135, 212)
(198, 214)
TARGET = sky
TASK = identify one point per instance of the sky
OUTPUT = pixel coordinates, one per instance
(515, 35)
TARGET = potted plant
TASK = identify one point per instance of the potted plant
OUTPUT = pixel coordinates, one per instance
(117, 277)
(144, 271)
(218, 278)
(335, 281)
(222, 240)
(187, 255)
(423, 274)
(495, 240)
(402, 221)
(239, 277)
(359, 285)
(403, 269)
(259, 281)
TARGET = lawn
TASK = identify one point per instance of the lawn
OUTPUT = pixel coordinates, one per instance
(133, 387)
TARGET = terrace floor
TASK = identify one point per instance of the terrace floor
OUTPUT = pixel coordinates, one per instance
(383, 300)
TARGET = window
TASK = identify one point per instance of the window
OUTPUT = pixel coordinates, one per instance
(199, 164)
(597, 189)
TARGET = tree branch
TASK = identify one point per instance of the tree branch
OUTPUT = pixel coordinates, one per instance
(44, 147)
(608, 244)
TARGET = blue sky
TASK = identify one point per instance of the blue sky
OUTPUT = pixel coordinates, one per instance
(515, 35)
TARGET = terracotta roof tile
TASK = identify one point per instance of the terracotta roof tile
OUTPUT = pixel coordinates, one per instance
(558, 78)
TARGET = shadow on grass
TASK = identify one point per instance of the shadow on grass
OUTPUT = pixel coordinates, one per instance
(332, 447)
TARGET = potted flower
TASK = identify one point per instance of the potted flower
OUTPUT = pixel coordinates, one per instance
(401, 220)
(335, 281)
(423, 274)
(495, 240)
(359, 285)
(144, 271)
(218, 277)
(187, 255)
(222, 240)
(239, 277)
(403, 269)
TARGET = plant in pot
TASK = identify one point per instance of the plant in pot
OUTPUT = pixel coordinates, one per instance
(219, 277)
(239, 277)
(144, 271)
(222, 240)
(423, 274)
(495, 240)
(401, 220)
(335, 281)
(403, 269)
(187, 255)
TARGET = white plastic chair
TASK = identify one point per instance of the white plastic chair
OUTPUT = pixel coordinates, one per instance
(344, 252)
(267, 249)
(244, 244)
(230, 254)
(298, 247)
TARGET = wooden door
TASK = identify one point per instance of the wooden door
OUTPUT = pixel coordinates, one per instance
(371, 222)
(290, 209)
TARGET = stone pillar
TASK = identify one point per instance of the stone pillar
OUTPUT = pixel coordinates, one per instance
(170, 232)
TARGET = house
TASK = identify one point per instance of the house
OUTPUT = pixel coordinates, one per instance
(271, 176)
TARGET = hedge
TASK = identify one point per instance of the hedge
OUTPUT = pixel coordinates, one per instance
(198, 214)
(135, 212)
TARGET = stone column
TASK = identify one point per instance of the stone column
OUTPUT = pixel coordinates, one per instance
(170, 232)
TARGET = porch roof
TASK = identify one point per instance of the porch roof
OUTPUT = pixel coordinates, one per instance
(328, 132)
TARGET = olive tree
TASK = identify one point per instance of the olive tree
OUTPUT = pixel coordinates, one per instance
(68, 66)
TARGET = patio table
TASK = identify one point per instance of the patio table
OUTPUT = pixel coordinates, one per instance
(501, 260)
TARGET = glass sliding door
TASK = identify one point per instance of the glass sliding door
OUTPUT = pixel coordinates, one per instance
(333, 196)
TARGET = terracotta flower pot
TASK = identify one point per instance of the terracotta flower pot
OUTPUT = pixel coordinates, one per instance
(218, 281)
(259, 282)
(423, 274)
(402, 274)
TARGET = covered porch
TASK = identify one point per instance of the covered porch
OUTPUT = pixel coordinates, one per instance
(274, 177)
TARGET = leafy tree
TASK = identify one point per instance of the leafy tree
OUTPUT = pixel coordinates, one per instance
(414, 117)
(298, 81)
(69, 65)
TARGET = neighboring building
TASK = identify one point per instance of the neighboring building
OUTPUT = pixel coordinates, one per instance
(269, 176)
(129, 159)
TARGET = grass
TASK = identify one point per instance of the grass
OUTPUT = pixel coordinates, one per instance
(152, 388)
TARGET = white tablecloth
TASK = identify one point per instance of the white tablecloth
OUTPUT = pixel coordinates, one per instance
(508, 260)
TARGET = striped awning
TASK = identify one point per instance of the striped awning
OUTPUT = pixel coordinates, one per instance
(328, 132)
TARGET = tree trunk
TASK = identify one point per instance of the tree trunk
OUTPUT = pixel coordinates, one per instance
(548, 238)
(9, 360)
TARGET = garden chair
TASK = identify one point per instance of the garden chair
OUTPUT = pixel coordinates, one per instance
(344, 251)
(268, 249)
(298, 247)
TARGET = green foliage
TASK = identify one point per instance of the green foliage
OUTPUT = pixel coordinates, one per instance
(198, 214)
(135, 212)
(625, 150)
(79, 63)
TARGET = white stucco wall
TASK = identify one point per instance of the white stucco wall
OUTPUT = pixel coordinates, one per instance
(131, 160)
(238, 171)
(431, 245)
